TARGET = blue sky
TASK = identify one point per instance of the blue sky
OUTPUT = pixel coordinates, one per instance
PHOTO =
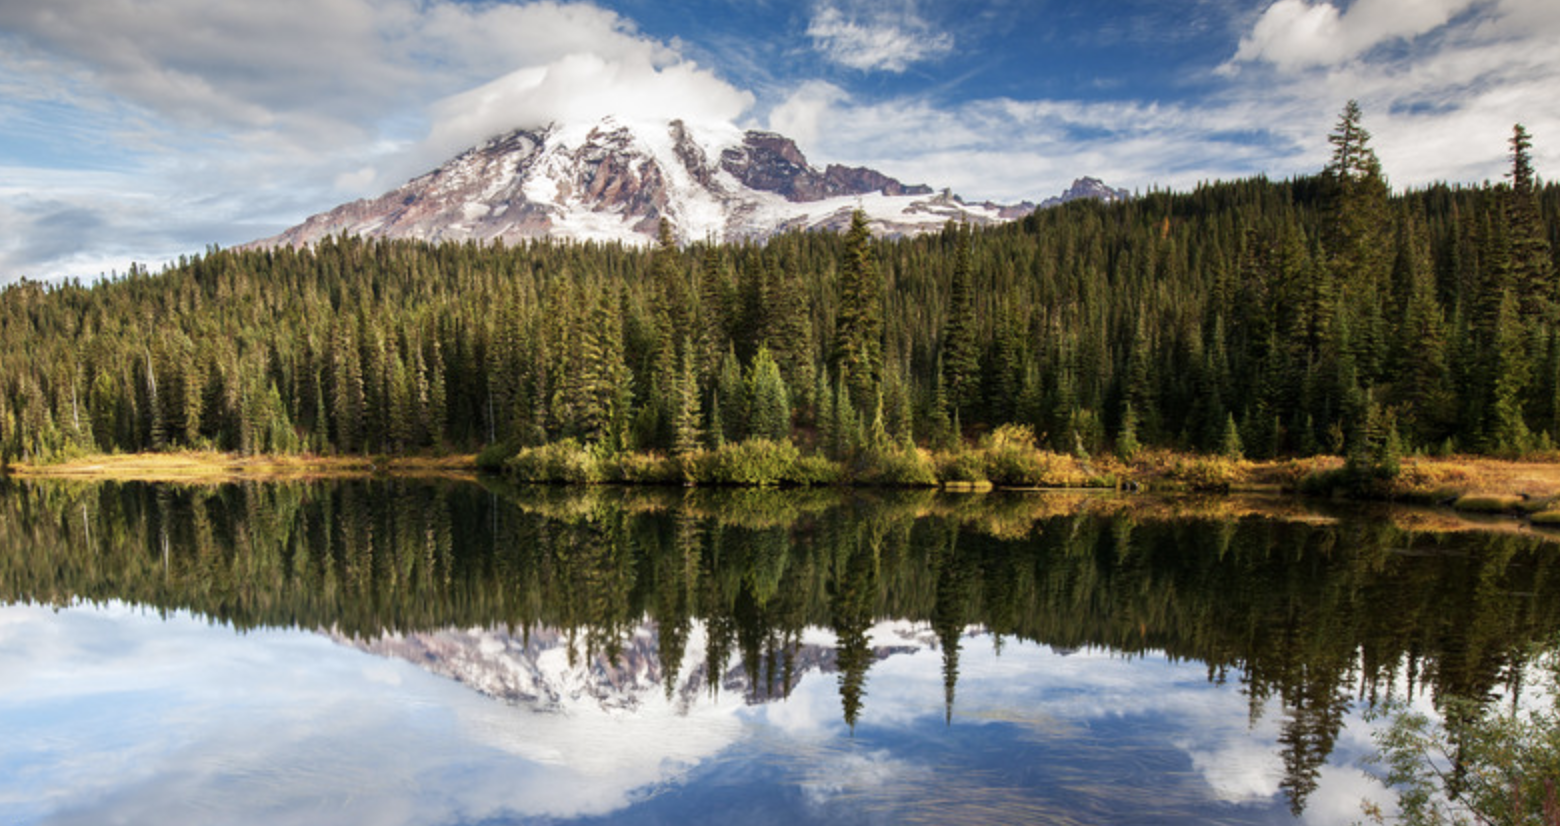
(139, 131)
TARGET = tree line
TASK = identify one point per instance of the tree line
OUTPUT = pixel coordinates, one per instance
(1322, 314)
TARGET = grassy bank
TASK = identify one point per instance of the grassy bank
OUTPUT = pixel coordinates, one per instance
(215, 467)
(1475, 485)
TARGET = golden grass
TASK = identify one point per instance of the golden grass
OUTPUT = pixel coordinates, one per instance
(1487, 503)
(1549, 517)
(213, 467)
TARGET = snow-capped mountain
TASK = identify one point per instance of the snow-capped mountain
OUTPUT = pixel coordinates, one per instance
(547, 670)
(614, 181)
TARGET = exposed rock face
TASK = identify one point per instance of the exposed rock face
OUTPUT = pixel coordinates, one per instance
(1084, 188)
(614, 181)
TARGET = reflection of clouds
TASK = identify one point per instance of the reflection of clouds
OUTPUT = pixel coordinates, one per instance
(113, 714)
(122, 717)
(1238, 771)
(855, 773)
(1070, 699)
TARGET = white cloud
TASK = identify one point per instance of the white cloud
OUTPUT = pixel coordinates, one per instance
(1296, 33)
(1440, 105)
(581, 88)
(243, 118)
(801, 115)
(876, 38)
(1013, 150)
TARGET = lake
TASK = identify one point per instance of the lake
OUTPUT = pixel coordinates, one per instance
(450, 652)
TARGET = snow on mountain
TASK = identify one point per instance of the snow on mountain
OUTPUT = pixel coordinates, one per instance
(615, 181)
(549, 671)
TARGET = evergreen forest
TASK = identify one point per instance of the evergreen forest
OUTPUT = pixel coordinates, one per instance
(1321, 314)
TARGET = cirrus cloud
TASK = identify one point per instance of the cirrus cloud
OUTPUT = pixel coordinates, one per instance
(876, 39)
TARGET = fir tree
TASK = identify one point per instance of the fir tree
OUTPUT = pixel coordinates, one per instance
(960, 357)
(858, 346)
(769, 405)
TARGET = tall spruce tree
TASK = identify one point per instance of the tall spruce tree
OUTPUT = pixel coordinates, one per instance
(1532, 264)
(961, 356)
(858, 326)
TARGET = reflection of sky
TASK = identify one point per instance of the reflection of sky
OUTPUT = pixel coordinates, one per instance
(114, 715)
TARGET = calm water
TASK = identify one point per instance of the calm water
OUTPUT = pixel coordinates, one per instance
(396, 652)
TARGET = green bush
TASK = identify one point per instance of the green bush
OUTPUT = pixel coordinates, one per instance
(1016, 436)
(566, 461)
(645, 469)
(757, 462)
(815, 469)
(902, 468)
(1488, 764)
(961, 466)
(494, 456)
(1208, 473)
(1014, 466)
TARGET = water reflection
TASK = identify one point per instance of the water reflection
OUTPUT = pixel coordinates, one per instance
(1063, 651)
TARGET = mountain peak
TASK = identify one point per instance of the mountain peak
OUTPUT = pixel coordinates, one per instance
(614, 181)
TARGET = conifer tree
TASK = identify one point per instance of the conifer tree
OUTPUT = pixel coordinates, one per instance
(1532, 265)
(685, 417)
(858, 346)
(960, 357)
(1355, 237)
(769, 402)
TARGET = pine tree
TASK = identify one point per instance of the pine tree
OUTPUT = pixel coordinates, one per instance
(1127, 444)
(1230, 443)
(1507, 431)
(603, 373)
(858, 347)
(769, 402)
(1355, 238)
(961, 357)
(685, 417)
(1532, 265)
(733, 398)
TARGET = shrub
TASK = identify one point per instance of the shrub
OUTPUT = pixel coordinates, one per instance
(904, 468)
(757, 461)
(961, 466)
(1478, 764)
(815, 469)
(1208, 473)
(566, 461)
(646, 469)
(1013, 466)
(494, 456)
(1018, 436)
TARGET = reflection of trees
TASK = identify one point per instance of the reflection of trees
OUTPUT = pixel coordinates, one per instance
(951, 612)
(1304, 614)
(854, 592)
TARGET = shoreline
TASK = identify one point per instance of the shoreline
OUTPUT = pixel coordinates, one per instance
(1471, 483)
(1438, 494)
(217, 468)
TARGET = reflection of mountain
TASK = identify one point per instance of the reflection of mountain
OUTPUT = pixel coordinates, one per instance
(549, 670)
